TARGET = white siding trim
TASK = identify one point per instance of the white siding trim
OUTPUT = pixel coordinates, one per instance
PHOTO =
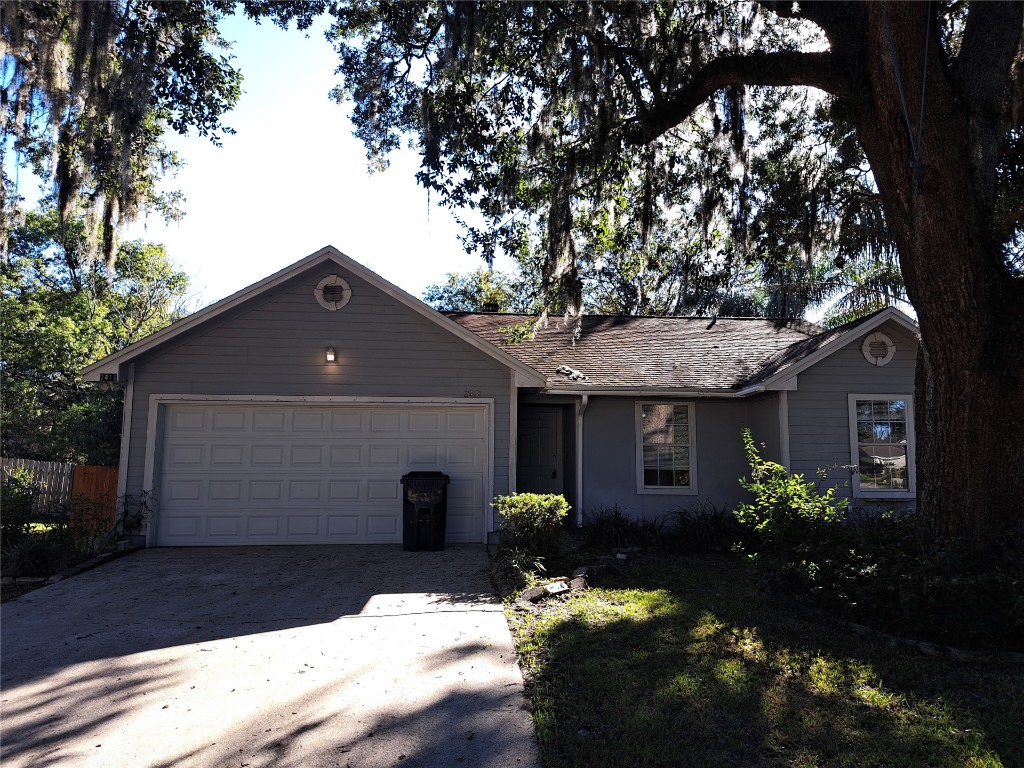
(150, 469)
(126, 433)
(855, 488)
(513, 436)
(581, 409)
(154, 428)
(784, 428)
(641, 489)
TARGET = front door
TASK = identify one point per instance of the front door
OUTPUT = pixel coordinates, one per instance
(539, 459)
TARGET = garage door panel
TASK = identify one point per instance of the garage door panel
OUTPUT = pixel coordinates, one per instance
(189, 419)
(220, 526)
(385, 421)
(237, 474)
(343, 525)
(307, 455)
(268, 421)
(228, 455)
(263, 525)
(229, 421)
(184, 454)
(225, 490)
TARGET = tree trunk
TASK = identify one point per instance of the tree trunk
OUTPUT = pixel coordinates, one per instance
(969, 405)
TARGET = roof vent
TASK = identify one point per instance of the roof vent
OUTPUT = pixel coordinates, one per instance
(878, 349)
(333, 292)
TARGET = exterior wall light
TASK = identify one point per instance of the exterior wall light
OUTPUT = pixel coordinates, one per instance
(331, 354)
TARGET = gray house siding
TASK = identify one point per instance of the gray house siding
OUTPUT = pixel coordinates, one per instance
(609, 452)
(819, 420)
(275, 344)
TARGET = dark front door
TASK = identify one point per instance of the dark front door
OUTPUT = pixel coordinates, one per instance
(539, 459)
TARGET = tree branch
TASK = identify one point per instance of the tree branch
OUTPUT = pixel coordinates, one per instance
(992, 38)
(772, 69)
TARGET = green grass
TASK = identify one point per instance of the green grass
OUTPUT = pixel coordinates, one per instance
(683, 662)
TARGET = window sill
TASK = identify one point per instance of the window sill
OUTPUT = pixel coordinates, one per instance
(691, 491)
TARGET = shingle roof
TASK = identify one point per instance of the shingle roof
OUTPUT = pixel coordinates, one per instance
(648, 352)
(794, 353)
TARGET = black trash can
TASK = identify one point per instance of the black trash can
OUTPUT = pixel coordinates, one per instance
(424, 510)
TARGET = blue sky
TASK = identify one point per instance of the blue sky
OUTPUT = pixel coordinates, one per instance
(293, 179)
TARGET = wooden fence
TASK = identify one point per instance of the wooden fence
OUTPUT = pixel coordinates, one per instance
(60, 483)
(98, 486)
(51, 477)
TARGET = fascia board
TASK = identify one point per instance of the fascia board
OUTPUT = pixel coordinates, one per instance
(889, 313)
(112, 363)
(648, 392)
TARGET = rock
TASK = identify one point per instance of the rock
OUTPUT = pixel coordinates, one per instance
(6, 580)
(54, 579)
(590, 571)
(534, 594)
(958, 654)
(578, 584)
(556, 588)
(31, 580)
(621, 557)
(929, 649)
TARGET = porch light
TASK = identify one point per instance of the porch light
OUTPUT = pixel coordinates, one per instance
(331, 354)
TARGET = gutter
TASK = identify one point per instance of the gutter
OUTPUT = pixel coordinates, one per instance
(654, 392)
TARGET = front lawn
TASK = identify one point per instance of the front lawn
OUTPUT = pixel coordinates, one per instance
(684, 662)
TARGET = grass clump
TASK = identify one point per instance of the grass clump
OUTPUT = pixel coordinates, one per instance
(680, 661)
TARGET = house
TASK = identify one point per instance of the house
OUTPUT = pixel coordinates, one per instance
(289, 411)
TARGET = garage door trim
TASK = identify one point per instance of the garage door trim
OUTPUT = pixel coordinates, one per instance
(154, 428)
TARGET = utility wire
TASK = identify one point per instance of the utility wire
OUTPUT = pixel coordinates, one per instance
(916, 142)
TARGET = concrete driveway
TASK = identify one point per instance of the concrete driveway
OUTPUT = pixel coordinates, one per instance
(265, 656)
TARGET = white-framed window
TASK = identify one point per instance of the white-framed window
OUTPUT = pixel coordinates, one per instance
(882, 445)
(665, 443)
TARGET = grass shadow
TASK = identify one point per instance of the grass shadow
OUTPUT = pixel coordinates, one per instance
(684, 663)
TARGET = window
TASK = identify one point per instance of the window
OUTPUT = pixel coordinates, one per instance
(665, 440)
(882, 445)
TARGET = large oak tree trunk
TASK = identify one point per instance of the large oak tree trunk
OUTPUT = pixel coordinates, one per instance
(969, 406)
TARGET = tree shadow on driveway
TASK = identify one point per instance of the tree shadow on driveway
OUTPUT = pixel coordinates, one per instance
(267, 656)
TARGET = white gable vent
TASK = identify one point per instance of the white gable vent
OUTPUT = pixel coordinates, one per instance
(878, 349)
(333, 292)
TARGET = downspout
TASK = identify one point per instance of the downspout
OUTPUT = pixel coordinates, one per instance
(581, 408)
(784, 428)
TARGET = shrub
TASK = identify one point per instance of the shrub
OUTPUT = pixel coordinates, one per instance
(17, 495)
(72, 534)
(613, 528)
(703, 526)
(528, 536)
(787, 511)
(887, 570)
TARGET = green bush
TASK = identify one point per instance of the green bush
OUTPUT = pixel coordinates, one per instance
(886, 570)
(71, 534)
(17, 496)
(612, 528)
(788, 512)
(705, 527)
(528, 536)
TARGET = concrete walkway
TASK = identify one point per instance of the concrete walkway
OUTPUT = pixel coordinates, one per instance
(353, 656)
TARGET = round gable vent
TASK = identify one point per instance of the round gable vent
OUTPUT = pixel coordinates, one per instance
(333, 292)
(878, 349)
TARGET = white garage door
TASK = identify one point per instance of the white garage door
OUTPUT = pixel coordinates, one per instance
(293, 474)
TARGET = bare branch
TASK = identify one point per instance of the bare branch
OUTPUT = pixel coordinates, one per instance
(783, 68)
